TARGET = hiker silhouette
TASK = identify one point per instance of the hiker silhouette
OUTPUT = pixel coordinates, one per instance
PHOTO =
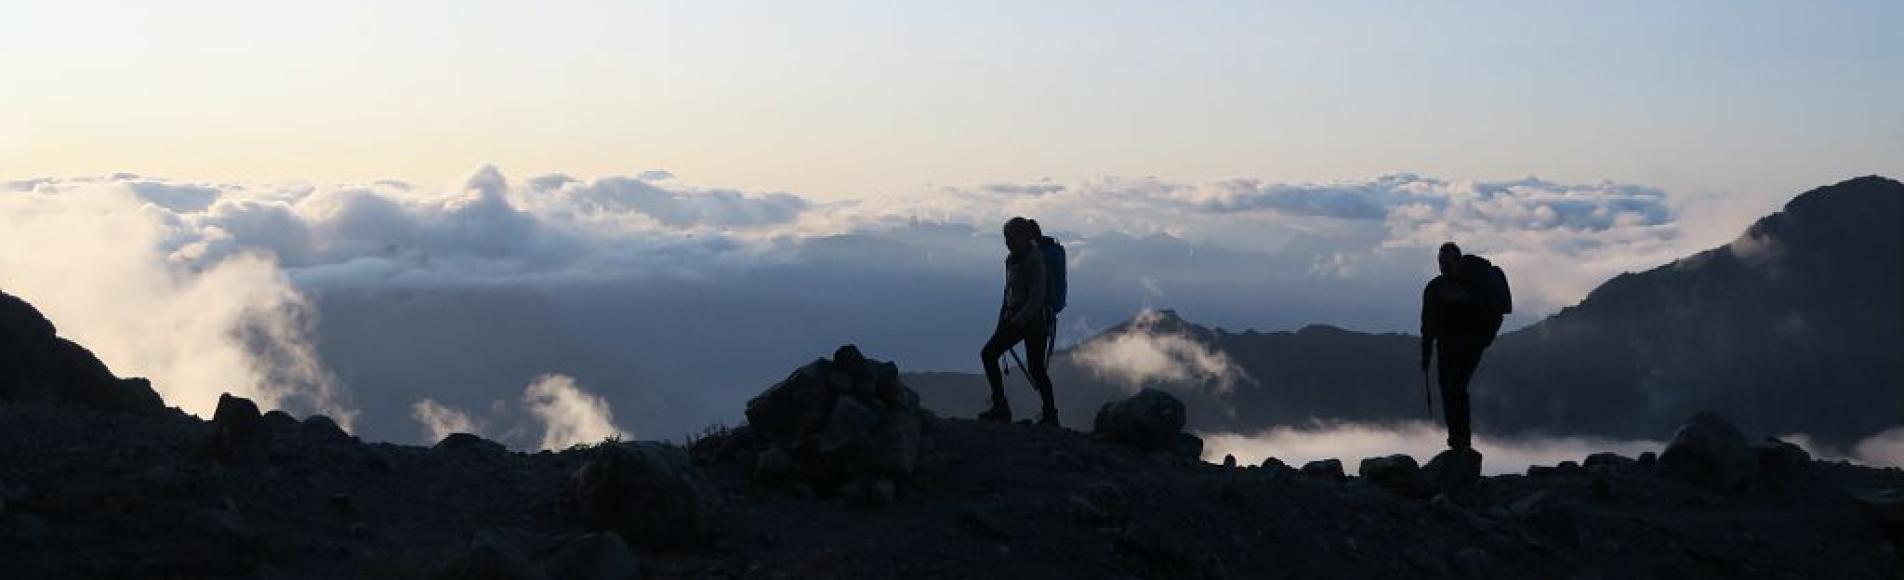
(1461, 312)
(1027, 314)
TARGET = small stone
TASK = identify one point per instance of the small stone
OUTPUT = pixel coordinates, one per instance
(341, 504)
(1472, 562)
(981, 523)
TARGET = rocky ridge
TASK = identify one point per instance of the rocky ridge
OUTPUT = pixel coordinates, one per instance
(841, 474)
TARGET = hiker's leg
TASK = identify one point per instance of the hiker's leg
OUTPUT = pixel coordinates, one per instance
(1002, 340)
(1038, 359)
(1457, 368)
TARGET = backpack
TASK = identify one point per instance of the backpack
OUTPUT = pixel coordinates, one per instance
(1054, 273)
(1486, 280)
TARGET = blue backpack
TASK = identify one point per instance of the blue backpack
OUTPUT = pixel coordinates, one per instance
(1054, 273)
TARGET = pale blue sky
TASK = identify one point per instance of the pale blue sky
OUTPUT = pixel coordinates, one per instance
(882, 98)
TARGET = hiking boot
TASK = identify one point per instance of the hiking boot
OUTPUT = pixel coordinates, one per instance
(999, 413)
(1049, 418)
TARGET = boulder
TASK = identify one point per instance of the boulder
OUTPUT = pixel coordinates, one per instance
(1609, 462)
(1398, 473)
(593, 556)
(468, 443)
(1453, 470)
(837, 421)
(280, 421)
(648, 492)
(794, 407)
(239, 434)
(1709, 453)
(322, 428)
(1150, 419)
(1779, 461)
(1325, 469)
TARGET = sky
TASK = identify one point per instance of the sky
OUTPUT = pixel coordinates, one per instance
(582, 211)
(845, 99)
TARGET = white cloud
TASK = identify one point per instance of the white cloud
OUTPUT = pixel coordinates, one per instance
(94, 258)
(208, 260)
(1885, 448)
(440, 421)
(569, 415)
(1145, 354)
(1352, 442)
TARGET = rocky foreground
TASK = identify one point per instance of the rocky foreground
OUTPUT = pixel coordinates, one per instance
(840, 474)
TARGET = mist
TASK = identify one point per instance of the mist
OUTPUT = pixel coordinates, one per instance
(1352, 442)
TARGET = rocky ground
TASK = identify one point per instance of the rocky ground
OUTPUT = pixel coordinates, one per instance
(840, 474)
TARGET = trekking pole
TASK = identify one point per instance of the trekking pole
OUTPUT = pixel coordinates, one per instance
(1427, 394)
(1021, 369)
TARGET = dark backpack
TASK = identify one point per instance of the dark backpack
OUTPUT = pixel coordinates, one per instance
(1484, 279)
(1054, 273)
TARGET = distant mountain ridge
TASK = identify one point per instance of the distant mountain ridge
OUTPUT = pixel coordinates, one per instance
(1793, 327)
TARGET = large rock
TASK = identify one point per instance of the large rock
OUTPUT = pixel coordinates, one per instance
(36, 365)
(648, 492)
(793, 407)
(322, 428)
(239, 433)
(837, 421)
(1709, 453)
(1453, 470)
(1325, 469)
(1609, 462)
(1150, 419)
(1398, 473)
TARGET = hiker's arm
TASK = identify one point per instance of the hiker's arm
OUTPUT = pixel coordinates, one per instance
(1430, 323)
(1032, 311)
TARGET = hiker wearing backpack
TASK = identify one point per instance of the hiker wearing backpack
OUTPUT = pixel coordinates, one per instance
(1034, 293)
(1461, 311)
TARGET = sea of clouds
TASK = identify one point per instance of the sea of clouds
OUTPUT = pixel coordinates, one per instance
(712, 293)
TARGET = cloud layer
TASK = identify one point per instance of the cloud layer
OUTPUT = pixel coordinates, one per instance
(223, 271)
(1352, 442)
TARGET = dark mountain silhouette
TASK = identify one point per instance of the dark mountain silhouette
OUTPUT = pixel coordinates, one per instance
(1792, 328)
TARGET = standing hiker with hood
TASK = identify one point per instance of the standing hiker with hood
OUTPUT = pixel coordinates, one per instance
(1025, 316)
(1461, 311)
